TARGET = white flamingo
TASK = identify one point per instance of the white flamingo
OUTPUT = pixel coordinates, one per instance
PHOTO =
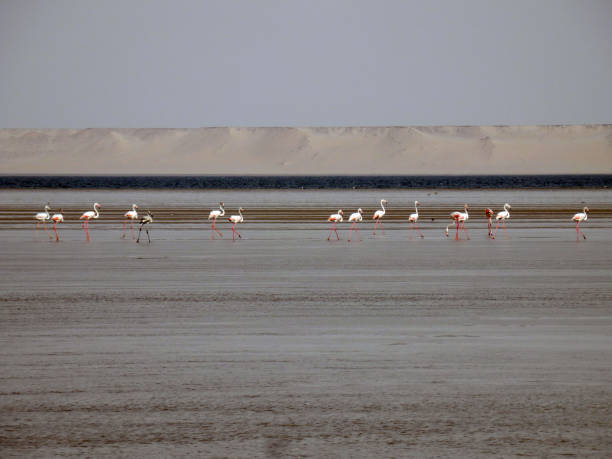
(57, 218)
(502, 217)
(130, 215)
(414, 219)
(42, 217)
(460, 218)
(355, 218)
(145, 220)
(335, 218)
(213, 215)
(579, 218)
(88, 216)
(379, 214)
(235, 219)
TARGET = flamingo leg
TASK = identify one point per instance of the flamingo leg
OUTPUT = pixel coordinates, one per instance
(214, 229)
(490, 227)
(86, 223)
(148, 237)
(457, 233)
(505, 230)
(351, 231)
(382, 227)
(55, 231)
(124, 229)
(579, 232)
(375, 225)
(465, 230)
(46, 230)
(495, 233)
(132, 228)
(411, 225)
(417, 228)
(357, 231)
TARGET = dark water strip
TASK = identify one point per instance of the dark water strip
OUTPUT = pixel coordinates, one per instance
(306, 182)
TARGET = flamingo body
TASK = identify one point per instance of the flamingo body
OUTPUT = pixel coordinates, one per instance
(355, 218)
(90, 214)
(213, 215)
(379, 214)
(502, 217)
(235, 219)
(579, 218)
(42, 217)
(414, 219)
(335, 218)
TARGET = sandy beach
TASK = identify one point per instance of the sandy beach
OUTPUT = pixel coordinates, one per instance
(286, 345)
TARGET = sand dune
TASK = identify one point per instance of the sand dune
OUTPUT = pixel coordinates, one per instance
(342, 150)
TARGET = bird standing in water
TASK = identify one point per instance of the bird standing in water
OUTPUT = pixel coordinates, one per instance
(235, 219)
(354, 219)
(335, 218)
(57, 218)
(460, 218)
(42, 217)
(489, 214)
(414, 219)
(579, 218)
(130, 215)
(88, 216)
(146, 220)
(213, 215)
(378, 215)
(502, 216)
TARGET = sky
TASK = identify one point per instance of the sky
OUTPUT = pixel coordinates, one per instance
(157, 63)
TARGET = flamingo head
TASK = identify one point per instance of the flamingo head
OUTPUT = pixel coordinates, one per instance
(340, 212)
(221, 203)
(134, 206)
(47, 207)
(508, 206)
(360, 211)
(586, 210)
(97, 205)
(241, 210)
(417, 203)
(384, 201)
(466, 207)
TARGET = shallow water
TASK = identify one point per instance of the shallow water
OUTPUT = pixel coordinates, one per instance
(285, 344)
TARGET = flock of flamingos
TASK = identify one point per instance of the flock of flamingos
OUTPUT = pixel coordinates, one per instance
(459, 218)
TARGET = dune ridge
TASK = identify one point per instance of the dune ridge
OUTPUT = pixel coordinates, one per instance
(572, 149)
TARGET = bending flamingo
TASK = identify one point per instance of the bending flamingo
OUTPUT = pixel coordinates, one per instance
(489, 214)
(88, 216)
(57, 218)
(42, 217)
(378, 215)
(130, 215)
(336, 218)
(235, 219)
(354, 219)
(145, 220)
(502, 217)
(579, 218)
(414, 218)
(460, 218)
(213, 215)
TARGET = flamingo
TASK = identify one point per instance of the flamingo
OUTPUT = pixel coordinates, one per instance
(57, 218)
(489, 214)
(145, 220)
(213, 215)
(336, 218)
(378, 215)
(579, 218)
(130, 215)
(88, 216)
(460, 218)
(354, 219)
(502, 216)
(414, 218)
(42, 217)
(235, 219)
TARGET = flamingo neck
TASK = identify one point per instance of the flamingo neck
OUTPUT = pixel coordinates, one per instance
(222, 211)
(240, 212)
(416, 209)
(96, 211)
(382, 204)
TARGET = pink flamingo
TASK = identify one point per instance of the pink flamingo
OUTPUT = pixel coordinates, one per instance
(354, 219)
(235, 219)
(579, 218)
(336, 218)
(379, 214)
(502, 216)
(130, 215)
(414, 218)
(460, 218)
(213, 215)
(489, 214)
(88, 216)
(42, 217)
(57, 218)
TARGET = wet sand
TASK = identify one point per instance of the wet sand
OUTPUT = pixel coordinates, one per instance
(283, 344)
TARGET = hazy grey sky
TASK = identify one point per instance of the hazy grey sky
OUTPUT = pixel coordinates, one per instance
(154, 63)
